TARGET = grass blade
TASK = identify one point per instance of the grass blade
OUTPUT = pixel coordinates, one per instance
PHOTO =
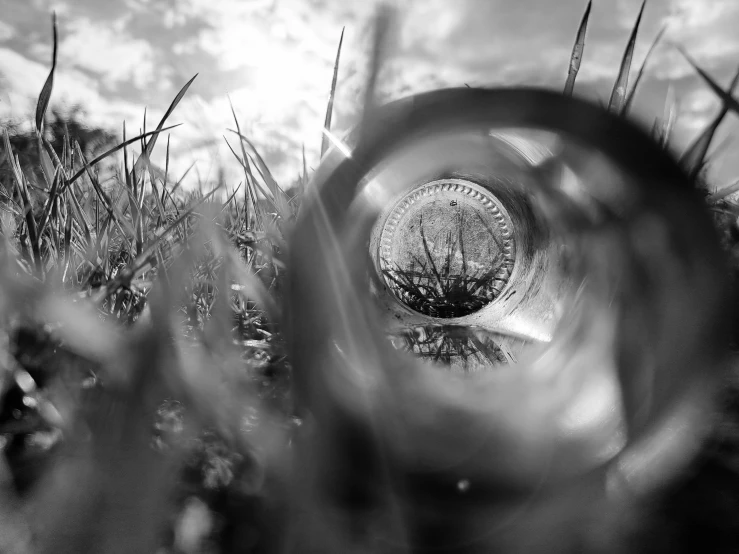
(694, 157)
(281, 201)
(67, 241)
(178, 184)
(669, 117)
(81, 217)
(230, 198)
(640, 74)
(159, 200)
(279, 198)
(723, 192)
(330, 107)
(430, 258)
(618, 95)
(112, 151)
(132, 194)
(111, 207)
(53, 195)
(165, 179)
(45, 96)
(249, 180)
(577, 51)
(10, 158)
(33, 237)
(251, 185)
(150, 144)
(47, 168)
(730, 103)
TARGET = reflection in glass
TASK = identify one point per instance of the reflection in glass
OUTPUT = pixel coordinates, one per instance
(459, 349)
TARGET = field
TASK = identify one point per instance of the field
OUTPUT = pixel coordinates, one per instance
(145, 398)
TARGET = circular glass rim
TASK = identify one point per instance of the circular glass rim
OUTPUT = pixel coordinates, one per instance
(479, 194)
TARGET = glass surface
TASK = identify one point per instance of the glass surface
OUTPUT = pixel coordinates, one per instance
(447, 249)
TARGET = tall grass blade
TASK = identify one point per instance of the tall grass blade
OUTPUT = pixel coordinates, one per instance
(640, 74)
(618, 95)
(80, 216)
(67, 241)
(728, 100)
(330, 107)
(151, 143)
(165, 179)
(45, 96)
(669, 117)
(249, 180)
(228, 201)
(47, 168)
(166, 163)
(60, 165)
(281, 200)
(694, 157)
(53, 195)
(577, 51)
(159, 200)
(276, 194)
(131, 190)
(251, 185)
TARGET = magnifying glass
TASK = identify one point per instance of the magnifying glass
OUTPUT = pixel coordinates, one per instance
(508, 309)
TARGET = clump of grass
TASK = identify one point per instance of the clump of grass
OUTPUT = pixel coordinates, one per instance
(141, 361)
(441, 290)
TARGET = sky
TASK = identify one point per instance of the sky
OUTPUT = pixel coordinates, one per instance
(274, 60)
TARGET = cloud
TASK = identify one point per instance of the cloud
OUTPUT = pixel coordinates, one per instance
(105, 50)
(6, 32)
(23, 79)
